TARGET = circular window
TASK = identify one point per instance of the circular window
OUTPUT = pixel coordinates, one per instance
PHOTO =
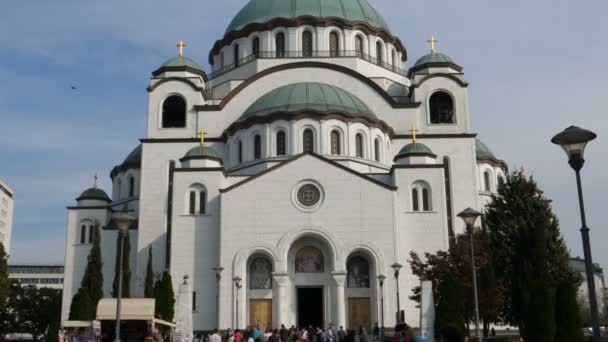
(309, 195)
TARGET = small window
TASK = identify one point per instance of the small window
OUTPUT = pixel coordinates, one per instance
(119, 189)
(335, 142)
(236, 55)
(174, 112)
(131, 186)
(379, 55)
(256, 46)
(359, 46)
(501, 181)
(359, 145)
(91, 234)
(377, 149)
(192, 204)
(421, 197)
(193, 300)
(222, 62)
(308, 140)
(415, 203)
(441, 108)
(281, 144)
(487, 186)
(202, 205)
(83, 234)
(257, 147)
(240, 151)
(307, 44)
(280, 44)
(334, 44)
(426, 205)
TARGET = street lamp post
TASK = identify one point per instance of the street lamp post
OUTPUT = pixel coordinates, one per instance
(469, 216)
(381, 281)
(397, 266)
(218, 277)
(123, 220)
(237, 284)
(574, 140)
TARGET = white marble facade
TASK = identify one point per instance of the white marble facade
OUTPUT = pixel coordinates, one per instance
(309, 192)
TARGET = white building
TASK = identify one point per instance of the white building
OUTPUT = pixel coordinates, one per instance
(578, 265)
(309, 183)
(49, 276)
(6, 215)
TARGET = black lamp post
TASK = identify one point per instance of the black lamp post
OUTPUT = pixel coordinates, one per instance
(469, 216)
(574, 140)
(381, 279)
(237, 285)
(397, 266)
(123, 221)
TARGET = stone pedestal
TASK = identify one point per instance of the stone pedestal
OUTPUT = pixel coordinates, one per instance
(280, 303)
(183, 313)
(427, 311)
(340, 279)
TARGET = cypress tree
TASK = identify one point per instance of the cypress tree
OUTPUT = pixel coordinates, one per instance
(126, 267)
(165, 297)
(567, 314)
(450, 310)
(149, 282)
(93, 275)
(82, 306)
(4, 282)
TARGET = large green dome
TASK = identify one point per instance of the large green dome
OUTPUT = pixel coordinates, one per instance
(262, 11)
(308, 96)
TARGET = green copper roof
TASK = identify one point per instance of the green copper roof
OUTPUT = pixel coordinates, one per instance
(483, 151)
(261, 11)
(201, 151)
(181, 62)
(94, 194)
(434, 58)
(300, 97)
(134, 157)
(414, 149)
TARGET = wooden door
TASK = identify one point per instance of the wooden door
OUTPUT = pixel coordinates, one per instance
(359, 313)
(260, 310)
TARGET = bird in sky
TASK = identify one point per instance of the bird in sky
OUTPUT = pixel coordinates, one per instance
(73, 87)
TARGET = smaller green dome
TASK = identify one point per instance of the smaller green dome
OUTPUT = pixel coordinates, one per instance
(201, 152)
(415, 149)
(94, 194)
(483, 151)
(433, 58)
(181, 61)
(134, 157)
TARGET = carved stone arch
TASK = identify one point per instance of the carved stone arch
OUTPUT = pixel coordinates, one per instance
(315, 232)
(376, 258)
(241, 258)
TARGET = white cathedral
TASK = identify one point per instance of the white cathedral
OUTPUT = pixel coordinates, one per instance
(308, 162)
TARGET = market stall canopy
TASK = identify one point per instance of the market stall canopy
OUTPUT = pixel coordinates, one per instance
(132, 309)
(77, 324)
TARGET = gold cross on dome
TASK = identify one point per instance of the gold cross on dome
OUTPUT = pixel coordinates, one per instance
(414, 131)
(181, 45)
(201, 134)
(95, 181)
(433, 43)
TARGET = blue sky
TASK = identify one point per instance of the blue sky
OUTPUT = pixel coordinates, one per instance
(534, 67)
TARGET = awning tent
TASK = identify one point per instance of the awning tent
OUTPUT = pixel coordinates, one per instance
(76, 324)
(131, 309)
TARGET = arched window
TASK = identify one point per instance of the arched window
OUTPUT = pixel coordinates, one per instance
(119, 189)
(256, 46)
(487, 177)
(260, 274)
(281, 144)
(501, 181)
(359, 145)
(174, 112)
(334, 44)
(222, 62)
(240, 151)
(83, 234)
(257, 147)
(377, 149)
(192, 203)
(358, 273)
(379, 54)
(307, 44)
(309, 260)
(202, 202)
(359, 46)
(91, 234)
(280, 44)
(308, 140)
(441, 108)
(131, 186)
(421, 197)
(236, 55)
(394, 60)
(335, 142)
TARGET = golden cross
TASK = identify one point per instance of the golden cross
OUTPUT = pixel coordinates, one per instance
(202, 133)
(433, 43)
(95, 181)
(414, 131)
(181, 45)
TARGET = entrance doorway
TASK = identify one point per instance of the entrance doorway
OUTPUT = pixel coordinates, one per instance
(260, 313)
(310, 306)
(359, 313)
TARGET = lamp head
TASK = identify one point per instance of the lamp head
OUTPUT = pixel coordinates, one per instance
(396, 266)
(237, 281)
(381, 279)
(469, 216)
(574, 140)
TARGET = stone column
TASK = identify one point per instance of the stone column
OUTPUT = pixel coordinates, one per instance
(340, 302)
(280, 300)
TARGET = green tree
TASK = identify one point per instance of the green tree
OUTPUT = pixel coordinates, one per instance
(4, 282)
(165, 297)
(93, 275)
(126, 267)
(149, 282)
(450, 304)
(82, 306)
(567, 314)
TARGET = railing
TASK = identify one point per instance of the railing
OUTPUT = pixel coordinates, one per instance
(306, 54)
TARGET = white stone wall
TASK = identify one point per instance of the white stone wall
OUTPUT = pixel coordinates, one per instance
(6, 216)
